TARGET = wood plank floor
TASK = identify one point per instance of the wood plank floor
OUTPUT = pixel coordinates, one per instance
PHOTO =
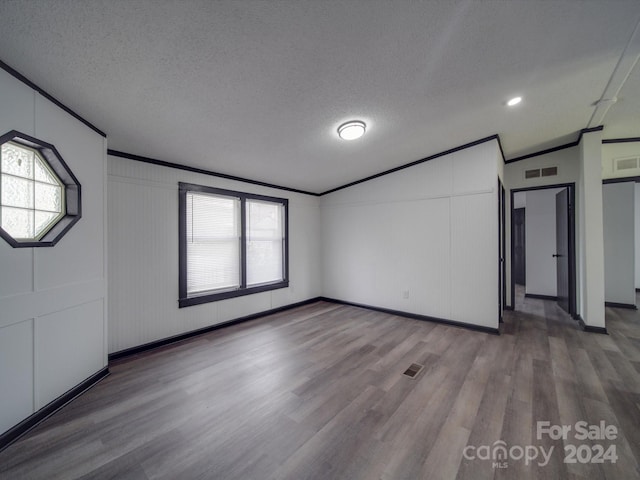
(319, 393)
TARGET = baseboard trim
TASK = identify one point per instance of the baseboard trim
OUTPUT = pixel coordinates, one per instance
(508, 307)
(15, 432)
(629, 306)
(590, 329)
(415, 316)
(541, 297)
(194, 333)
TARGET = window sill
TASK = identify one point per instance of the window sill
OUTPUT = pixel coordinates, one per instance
(214, 297)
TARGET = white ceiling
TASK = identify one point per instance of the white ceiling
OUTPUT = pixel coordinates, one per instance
(257, 88)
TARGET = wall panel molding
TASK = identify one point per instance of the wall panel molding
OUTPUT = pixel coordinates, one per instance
(18, 308)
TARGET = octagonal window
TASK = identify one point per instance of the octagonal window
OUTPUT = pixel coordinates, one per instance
(32, 194)
(39, 196)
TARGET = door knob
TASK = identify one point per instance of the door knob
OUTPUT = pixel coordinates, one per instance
(556, 255)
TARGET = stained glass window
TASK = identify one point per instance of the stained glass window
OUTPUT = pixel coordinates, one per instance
(31, 194)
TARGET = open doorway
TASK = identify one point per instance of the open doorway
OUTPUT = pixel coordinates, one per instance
(543, 260)
(620, 202)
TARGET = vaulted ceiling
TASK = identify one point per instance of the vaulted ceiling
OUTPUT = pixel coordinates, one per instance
(257, 88)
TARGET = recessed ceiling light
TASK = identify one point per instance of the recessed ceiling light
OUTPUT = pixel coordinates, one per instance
(514, 101)
(352, 130)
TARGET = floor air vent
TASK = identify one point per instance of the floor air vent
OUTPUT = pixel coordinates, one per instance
(413, 370)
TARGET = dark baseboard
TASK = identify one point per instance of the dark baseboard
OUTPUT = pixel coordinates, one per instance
(590, 329)
(194, 333)
(11, 435)
(637, 289)
(629, 306)
(468, 326)
(541, 297)
(508, 307)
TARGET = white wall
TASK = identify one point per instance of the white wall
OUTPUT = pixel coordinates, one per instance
(540, 241)
(143, 255)
(567, 160)
(618, 202)
(53, 299)
(590, 231)
(429, 231)
(612, 151)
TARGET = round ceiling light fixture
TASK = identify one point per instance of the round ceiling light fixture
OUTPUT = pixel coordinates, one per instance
(514, 101)
(352, 130)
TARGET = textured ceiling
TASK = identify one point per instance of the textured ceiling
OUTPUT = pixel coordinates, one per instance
(257, 88)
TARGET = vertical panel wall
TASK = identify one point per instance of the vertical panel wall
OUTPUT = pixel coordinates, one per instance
(422, 240)
(53, 299)
(591, 232)
(143, 255)
(618, 205)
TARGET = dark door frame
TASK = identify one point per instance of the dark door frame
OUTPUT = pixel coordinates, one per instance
(572, 241)
(502, 276)
(516, 211)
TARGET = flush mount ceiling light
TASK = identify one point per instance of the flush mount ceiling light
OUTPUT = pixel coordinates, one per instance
(514, 101)
(352, 130)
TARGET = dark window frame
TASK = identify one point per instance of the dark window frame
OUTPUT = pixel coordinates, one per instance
(72, 191)
(183, 299)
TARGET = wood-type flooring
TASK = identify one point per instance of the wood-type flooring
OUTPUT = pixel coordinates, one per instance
(318, 392)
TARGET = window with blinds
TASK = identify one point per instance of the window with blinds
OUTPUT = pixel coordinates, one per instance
(213, 243)
(231, 244)
(265, 239)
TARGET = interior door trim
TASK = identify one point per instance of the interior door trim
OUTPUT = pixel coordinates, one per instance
(572, 242)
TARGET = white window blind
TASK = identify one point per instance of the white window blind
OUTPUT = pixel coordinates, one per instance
(231, 244)
(265, 242)
(213, 243)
